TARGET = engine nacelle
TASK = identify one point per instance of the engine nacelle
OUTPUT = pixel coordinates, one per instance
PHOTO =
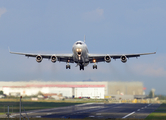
(107, 58)
(53, 58)
(39, 58)
(123, 58)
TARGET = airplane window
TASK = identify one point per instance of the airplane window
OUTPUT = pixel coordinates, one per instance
(79, 43)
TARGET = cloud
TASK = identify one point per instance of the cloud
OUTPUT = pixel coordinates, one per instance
(2, 11)
(94, 15)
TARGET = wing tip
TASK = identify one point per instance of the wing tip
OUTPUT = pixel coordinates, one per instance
(9, 49)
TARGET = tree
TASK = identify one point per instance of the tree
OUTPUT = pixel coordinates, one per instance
(1, 92)
(40, 93)
(151, 94)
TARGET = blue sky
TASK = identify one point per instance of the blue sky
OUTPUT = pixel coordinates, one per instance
(111, 27)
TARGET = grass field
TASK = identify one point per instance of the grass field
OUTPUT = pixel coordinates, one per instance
(2, 113)
(14, 106)
(66, 119)
(40, 104)
(66, 100)
(160, 113)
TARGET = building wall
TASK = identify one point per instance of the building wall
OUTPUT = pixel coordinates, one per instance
(90, 92)
(23, 83)
(29, 91)
(67, 92)
(21, 90)
(111, 88)
(125, 88)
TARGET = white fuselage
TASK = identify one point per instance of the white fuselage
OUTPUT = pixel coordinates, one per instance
(80, 53)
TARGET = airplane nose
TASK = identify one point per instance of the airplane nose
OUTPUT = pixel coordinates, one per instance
(79, 51)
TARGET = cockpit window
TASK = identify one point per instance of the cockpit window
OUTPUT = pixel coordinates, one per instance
(78, 43)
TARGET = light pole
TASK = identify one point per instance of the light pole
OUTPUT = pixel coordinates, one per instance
(20, 106)
(8, 114)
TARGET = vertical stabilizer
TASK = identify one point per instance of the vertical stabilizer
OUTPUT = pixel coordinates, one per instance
(84, 38)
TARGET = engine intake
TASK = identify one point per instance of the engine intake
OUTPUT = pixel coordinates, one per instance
(53, 58)
(107, 58)
(39, 58)
(123, 58)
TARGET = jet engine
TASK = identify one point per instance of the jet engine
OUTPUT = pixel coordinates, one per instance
(123, 58)
(39, 58)
(53, 58)
(107, 58)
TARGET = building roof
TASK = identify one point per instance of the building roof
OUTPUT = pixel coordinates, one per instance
(57, 85)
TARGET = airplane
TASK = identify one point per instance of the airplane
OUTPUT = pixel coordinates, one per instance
(81, 56)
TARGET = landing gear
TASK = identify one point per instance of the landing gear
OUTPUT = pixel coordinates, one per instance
(94, 66)
(81, 67)
(67, 66)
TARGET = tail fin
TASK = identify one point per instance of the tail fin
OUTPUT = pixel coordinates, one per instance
(84, 38)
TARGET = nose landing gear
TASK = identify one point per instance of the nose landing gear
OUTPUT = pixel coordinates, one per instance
(81, 67)
(67, 66)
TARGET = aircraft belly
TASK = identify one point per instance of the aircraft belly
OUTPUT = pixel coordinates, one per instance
(85, 64)
(82, 60)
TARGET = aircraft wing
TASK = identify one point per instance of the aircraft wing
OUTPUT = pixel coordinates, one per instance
(60, 57)
(101, 57)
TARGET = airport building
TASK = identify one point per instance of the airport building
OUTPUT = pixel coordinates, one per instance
(94, 90)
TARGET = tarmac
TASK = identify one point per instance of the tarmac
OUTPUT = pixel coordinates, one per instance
(94, 110)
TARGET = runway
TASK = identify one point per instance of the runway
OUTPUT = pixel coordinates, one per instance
(96, 110)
